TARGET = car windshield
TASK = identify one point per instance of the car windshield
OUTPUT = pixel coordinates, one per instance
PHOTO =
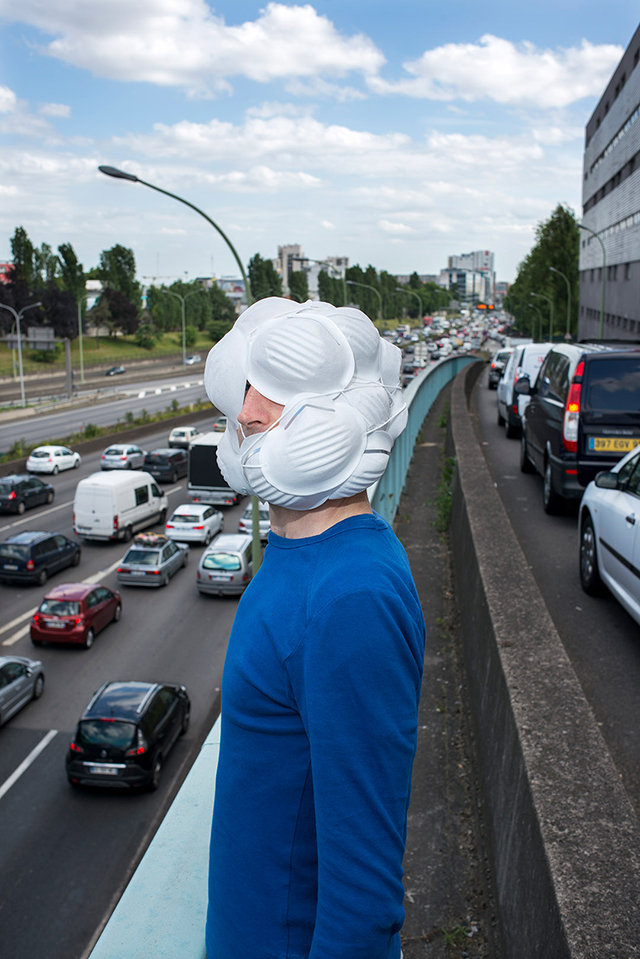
(226, 561)
(41, 454)
(614, 385)
(59, 607)
(13, 551)
(155, 459)
(113, 451)
(185, 518)
(248, 514)
(142, 557)
(106, 732)
(178, 432)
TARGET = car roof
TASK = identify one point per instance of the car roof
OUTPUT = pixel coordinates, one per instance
(73, 591)
(192, 507)
(229, 541)
(27, 538)
(120, 700)
(15, 477)
(18, 659)
(164, 450)
(120, 446)
(50, 446)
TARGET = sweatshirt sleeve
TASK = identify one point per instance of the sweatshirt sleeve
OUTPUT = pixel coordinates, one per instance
(355, 676)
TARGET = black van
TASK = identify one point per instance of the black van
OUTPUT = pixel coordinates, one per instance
(166, 465)
(32, 557)
(583, 416)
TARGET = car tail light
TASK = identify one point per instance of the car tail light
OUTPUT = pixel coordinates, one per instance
(198, 527)
(115, 522)
(78, 619)
(572, 411)
(12, 494)
(140, 747)
(169, 526)
(198, 575)
(75, 748)
(73, 521)
(103, 457)
(245, 577)
(36, 619)
(30, 565)
(122, 569)
(154, 572)
(123, 457)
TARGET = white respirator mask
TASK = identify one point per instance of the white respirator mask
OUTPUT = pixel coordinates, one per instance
(338, 383)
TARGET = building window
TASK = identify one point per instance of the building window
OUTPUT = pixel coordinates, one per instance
(632, 326)
(627, 271)
(599, 274)
(592, 273)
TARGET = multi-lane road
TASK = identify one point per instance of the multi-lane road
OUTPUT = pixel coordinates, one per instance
(65, 854)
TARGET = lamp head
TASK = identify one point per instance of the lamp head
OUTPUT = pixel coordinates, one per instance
(119, 174)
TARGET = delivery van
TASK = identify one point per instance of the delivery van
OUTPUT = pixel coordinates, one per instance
(115, 505)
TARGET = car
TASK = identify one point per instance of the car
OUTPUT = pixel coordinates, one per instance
(583, 416)
(220, 424)
(496, 367)
(31, 557)
(19, 492)
(181, 436)
(608, 541)
(126, 732)
(114, 371)
(193, 359)
(21, 680)
(166, 465)
(194, 522)
(525, 361)
(74, 613)
(52, 459)
(226, 566)
(151, 560)
(122, 456)
(245, 524)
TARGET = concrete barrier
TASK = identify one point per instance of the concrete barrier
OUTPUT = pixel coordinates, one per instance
(564, 837)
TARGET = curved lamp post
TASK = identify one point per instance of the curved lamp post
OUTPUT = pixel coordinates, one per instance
(18, 317)
(120, 174)
(402, 289)
(604, 276)
(182, 298)
(543, 296)
(567, 335)
(366, 286)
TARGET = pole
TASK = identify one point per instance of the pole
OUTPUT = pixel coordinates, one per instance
(18, 317)
(83, 298)
(567, 335)
(179, 296)
(532, 307)
(402, 289)
(367, 286)
(604, 276)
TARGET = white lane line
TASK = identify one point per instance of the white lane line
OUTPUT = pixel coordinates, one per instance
(24, 765)
(102, 573)
(16, 636)
(44, 512)
(174, 489)
(18, 619)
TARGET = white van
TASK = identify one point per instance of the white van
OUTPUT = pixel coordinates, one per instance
(115, 505)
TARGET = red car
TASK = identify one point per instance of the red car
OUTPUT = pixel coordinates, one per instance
(75, 613)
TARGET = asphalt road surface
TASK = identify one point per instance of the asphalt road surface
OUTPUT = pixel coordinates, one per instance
(601, 639)
(65, 854)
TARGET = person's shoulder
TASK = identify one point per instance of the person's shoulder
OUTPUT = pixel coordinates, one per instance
(361, 553)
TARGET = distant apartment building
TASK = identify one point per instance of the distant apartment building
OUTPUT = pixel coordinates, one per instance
(479, 261)
(466, 285)
(403, 278)
(611, 207)
(290, 259)
(5, 270)
(502, 288)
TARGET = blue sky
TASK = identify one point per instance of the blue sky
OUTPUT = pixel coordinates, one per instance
(394, 134)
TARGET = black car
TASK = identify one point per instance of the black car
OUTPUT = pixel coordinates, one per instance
(166, 465)
(496, 367)
(22, 491)
(125, 734)
(114, 370)
(583, 416)
(32, 557)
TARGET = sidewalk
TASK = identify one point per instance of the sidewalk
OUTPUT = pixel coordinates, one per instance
(449, 898)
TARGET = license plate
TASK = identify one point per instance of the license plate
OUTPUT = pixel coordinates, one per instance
(612, 444)
(219, 576)
(103, 770)
(137, 572)
(53, 625)
(8, 566)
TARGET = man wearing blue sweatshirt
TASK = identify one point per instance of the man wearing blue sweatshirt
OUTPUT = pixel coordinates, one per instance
(323, 670)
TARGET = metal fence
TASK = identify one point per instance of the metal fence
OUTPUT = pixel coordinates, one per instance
(163, 909)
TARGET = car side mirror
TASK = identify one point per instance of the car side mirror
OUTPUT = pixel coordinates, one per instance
(606, 480)
(523, 386)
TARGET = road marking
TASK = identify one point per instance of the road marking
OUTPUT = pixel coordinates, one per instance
(141, 394)
(24, 765)
(90, 580)
(16, 636)
(174, 489)
(18, 619)
(44, 512)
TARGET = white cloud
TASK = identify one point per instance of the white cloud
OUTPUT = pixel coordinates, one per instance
(395, 228)
(327, 224)
(55, 110)
(496, 69)
(181, 43)
(8, 100)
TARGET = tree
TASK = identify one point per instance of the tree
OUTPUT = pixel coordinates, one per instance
(71, 273)
(60, 310)
(23, 254)
(298, 285)
(117, 271)
(222, 308)
(46, 265)
(263, 278)
(124, 315)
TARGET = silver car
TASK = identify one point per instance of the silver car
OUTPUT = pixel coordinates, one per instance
(122, 456)
(151, 560)
(226, 567)
(21, 680)
(245, 524)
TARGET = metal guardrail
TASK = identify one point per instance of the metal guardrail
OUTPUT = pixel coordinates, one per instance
(163, 909)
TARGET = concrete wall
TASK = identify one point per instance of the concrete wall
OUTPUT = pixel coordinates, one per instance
(564, 837)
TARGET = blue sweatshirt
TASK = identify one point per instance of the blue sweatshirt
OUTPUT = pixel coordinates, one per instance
(319, 719)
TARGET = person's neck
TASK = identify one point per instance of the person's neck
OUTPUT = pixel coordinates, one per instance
(298, 524)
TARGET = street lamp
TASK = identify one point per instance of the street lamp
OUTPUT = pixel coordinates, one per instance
(567, 335)
(550, 302)
(18, 317)
(532, 307)
(403, 289)
(604, 275)
(368, 287)
(120, 174)
(179, 296)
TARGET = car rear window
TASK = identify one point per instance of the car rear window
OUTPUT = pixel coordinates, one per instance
(106, 732)
(142, 557)
(6, 488)
(113, 451)
(155, 459)
(185, 518)
(614, 385)
(226, 561)
(13, 551)
(178, 433)
(41, 454)
(503, 357)
(60, 607)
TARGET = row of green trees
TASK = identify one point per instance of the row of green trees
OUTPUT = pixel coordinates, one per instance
(557, 245)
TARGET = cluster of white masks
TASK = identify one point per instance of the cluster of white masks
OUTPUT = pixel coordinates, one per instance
(339, 383)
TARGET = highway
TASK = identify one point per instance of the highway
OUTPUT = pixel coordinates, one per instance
(66, 854)
(601, 639)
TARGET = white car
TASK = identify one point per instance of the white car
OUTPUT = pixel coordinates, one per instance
(194, 522)
(52, 459)
(246, 522)
(609, 540)
(193, 359)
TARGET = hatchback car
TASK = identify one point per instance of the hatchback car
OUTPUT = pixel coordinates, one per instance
(21, 491)
(31, 557)
(193, 359)
(125, 734)
(114, 371)
(52, 459)
(220, 424)
(226, 567)
(152, 560)
(181, 436)
(122, 456)
(195, 522)
(21, 680)
(74, 613)
(496, 367)
(166, 465)
(245, 524)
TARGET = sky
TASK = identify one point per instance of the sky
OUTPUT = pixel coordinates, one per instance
(395, 134)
